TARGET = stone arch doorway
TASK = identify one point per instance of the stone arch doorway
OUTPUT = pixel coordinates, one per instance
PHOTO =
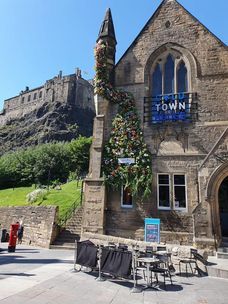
(223, 206)
(216, 187)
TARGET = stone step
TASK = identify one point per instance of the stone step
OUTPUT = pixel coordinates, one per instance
(76, 215)
(75, 230)
(222, 255)
(69, 246)
(72, 228)
(218, 267)
(75, 224)
(222, 249)
(74, 221)
(66, 241)
(224, 244)
(68, 233)
(71, 232)
(217, 272)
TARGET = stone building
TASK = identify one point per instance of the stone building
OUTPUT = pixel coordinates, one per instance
(64, 89)
(177, 71)
(59, 110)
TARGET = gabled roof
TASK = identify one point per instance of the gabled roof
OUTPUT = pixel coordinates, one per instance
(154, 16)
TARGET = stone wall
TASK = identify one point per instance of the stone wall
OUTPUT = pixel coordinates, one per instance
(175, 147)
(177, 251)
(39, 222)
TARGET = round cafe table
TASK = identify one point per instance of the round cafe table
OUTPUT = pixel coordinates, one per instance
(148, 261)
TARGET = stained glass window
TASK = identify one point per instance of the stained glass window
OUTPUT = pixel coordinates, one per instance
(169, 76)
(157, 81)
(182, 79)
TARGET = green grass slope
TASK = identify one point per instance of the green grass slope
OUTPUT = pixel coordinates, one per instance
(64, 198)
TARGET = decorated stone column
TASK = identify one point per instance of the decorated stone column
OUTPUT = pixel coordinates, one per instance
(95, 194)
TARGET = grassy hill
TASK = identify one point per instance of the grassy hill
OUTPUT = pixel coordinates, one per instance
(64, 198)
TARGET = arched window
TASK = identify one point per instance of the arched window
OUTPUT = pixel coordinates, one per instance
(157, 81)
(170, 96)
(169, 76)
(182, 78)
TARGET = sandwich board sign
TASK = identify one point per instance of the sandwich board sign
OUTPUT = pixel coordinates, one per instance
(152, 230)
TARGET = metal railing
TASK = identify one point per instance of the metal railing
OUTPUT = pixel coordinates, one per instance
(70, 211)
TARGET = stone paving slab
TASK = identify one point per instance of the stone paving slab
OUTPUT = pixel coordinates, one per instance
(35, 275)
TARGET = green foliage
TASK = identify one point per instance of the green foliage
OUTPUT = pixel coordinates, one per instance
(52, 162)
(64, 198)
(44, 163)
(126, 139)
(15, 196)
(38, 195)
(79, 155)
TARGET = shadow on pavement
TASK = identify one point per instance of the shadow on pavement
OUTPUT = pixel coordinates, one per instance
(23, 260)
(21, 274)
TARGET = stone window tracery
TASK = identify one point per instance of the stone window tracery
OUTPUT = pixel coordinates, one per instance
(170, 74)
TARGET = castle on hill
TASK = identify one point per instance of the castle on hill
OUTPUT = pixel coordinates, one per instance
(71, 89)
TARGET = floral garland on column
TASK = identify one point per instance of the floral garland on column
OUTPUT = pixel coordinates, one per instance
(126, 138)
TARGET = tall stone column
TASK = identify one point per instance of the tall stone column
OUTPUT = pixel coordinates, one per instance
(95, 194)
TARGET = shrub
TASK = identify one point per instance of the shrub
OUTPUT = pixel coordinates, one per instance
(37, 195)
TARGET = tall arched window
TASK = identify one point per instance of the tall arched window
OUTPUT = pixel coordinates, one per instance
(157, 81)
(169, 76)
(170, 96)
(182, 78)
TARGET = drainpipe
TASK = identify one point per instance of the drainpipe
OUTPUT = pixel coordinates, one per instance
(198, 203)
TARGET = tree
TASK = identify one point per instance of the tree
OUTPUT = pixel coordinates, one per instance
(79, 155)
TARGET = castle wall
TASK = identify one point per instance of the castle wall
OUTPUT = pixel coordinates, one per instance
(65, 89)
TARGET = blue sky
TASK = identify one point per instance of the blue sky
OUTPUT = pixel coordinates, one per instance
(38, 38)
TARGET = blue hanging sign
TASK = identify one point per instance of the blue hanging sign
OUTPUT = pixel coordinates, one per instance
(171, 107)
(152, 230)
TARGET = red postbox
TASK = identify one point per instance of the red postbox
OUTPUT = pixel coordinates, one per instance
(13, 237)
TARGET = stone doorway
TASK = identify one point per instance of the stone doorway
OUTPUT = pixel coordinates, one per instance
(215, 197)
(223, 207)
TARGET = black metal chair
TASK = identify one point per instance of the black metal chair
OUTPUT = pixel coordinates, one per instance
(199, 258)
(139, 266)
(188, 262)
(161, 248)
(123, 247)
(111, 245)
(163, 269)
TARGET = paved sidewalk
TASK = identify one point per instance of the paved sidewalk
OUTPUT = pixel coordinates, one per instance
(35, 275)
